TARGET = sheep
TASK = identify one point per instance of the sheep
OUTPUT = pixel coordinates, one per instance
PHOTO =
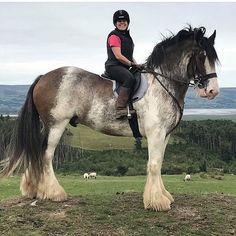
(187, 178)
(93, 175)
(86, 176)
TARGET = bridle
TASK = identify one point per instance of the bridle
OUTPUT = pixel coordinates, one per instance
(197, 72)
(194, 71)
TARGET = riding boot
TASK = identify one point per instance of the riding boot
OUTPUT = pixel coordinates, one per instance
(121, 103)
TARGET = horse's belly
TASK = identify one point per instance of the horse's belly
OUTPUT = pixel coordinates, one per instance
(114, 128)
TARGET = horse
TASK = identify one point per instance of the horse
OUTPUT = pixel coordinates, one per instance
(72, 94)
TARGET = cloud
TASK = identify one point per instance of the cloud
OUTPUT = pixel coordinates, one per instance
(40, 36)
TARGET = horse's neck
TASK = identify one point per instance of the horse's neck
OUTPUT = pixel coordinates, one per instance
(176, 71)
(170, 85)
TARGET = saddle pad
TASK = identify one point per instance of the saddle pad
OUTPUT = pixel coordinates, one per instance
(140, 91)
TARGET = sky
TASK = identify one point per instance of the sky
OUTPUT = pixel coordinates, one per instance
(36, 37)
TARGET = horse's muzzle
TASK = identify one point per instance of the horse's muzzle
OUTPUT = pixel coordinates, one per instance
(211, 94)
(208, 93)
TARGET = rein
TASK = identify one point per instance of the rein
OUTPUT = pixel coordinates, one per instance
(198, 81)
(147, 70)
(181, 109)
(198, 78)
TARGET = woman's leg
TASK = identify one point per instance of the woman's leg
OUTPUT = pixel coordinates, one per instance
(121, 75)
(125, 77)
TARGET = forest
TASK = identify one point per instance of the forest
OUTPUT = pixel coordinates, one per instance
(195, 146)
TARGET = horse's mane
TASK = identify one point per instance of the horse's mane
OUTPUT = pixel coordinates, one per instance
(157, 56)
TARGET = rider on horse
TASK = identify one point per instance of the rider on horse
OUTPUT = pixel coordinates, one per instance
(120, 48)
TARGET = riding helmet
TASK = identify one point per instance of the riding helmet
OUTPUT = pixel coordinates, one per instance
(120, 15)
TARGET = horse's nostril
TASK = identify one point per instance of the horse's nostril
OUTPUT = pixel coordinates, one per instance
(213, 91)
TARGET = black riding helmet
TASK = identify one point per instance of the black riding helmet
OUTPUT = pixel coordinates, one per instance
(120, 15)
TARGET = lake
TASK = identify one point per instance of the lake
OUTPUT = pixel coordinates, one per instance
(214, 112)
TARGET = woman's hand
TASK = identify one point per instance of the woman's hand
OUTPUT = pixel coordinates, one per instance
(139, 66)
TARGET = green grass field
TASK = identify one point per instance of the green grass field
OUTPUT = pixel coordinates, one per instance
(112, 206)
(76, 185)
(87, 138)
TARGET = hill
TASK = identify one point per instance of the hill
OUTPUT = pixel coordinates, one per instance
(225, 100)
(12, 98)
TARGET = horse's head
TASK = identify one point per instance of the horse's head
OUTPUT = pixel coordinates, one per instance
(189, 55)
(201, 67)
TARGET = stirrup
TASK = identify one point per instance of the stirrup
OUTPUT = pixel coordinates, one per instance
(125, 113)
(129, 113)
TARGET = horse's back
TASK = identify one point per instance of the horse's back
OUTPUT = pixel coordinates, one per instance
(70, 75)
(65, 87)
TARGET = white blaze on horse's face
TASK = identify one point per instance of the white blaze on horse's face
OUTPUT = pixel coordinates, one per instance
(212, 88)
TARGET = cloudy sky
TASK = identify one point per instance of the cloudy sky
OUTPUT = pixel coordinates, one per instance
(38, 37)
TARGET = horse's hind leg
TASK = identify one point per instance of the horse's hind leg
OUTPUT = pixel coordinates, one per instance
(48, 186)
(28, 185)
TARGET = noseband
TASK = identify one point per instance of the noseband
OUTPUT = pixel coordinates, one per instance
(197, 72)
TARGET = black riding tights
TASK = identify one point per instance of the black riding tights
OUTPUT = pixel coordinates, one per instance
(122, 75)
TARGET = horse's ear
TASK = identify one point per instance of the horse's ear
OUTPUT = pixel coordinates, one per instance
(212, 38)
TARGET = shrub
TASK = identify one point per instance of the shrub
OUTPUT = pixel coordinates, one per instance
(203, 175)
(131, 172)
(121, 170)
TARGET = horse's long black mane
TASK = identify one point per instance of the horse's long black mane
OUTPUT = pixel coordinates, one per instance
(158, 54)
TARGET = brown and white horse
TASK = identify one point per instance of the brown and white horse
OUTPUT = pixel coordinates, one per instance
(69, 92)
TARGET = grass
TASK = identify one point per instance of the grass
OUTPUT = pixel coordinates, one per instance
(113, 206)
(87, 138)
(76, 185)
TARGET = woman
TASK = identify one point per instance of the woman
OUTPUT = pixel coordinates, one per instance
(120, 48)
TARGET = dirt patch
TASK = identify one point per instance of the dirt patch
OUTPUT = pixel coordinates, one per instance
(186, 212)
(119, 215)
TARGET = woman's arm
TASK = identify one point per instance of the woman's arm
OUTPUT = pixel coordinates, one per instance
(117, 53)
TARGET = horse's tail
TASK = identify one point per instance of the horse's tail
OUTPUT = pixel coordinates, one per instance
(28, 142)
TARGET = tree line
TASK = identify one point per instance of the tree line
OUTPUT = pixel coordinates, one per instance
(195, 146)
(213, 135)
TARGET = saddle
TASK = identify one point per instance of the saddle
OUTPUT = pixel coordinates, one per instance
(139, 89)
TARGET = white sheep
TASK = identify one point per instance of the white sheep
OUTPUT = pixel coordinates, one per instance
(187, 178)
(86, 176)
(93, 175)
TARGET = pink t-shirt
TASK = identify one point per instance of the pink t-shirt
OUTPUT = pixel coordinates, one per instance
(114, 41)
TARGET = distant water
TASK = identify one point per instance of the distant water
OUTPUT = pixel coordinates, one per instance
(192, 112)
(212, 112)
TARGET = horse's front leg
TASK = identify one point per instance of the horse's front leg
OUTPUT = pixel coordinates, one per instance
(155, 195)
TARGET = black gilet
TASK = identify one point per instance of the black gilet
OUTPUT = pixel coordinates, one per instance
(127, 48)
